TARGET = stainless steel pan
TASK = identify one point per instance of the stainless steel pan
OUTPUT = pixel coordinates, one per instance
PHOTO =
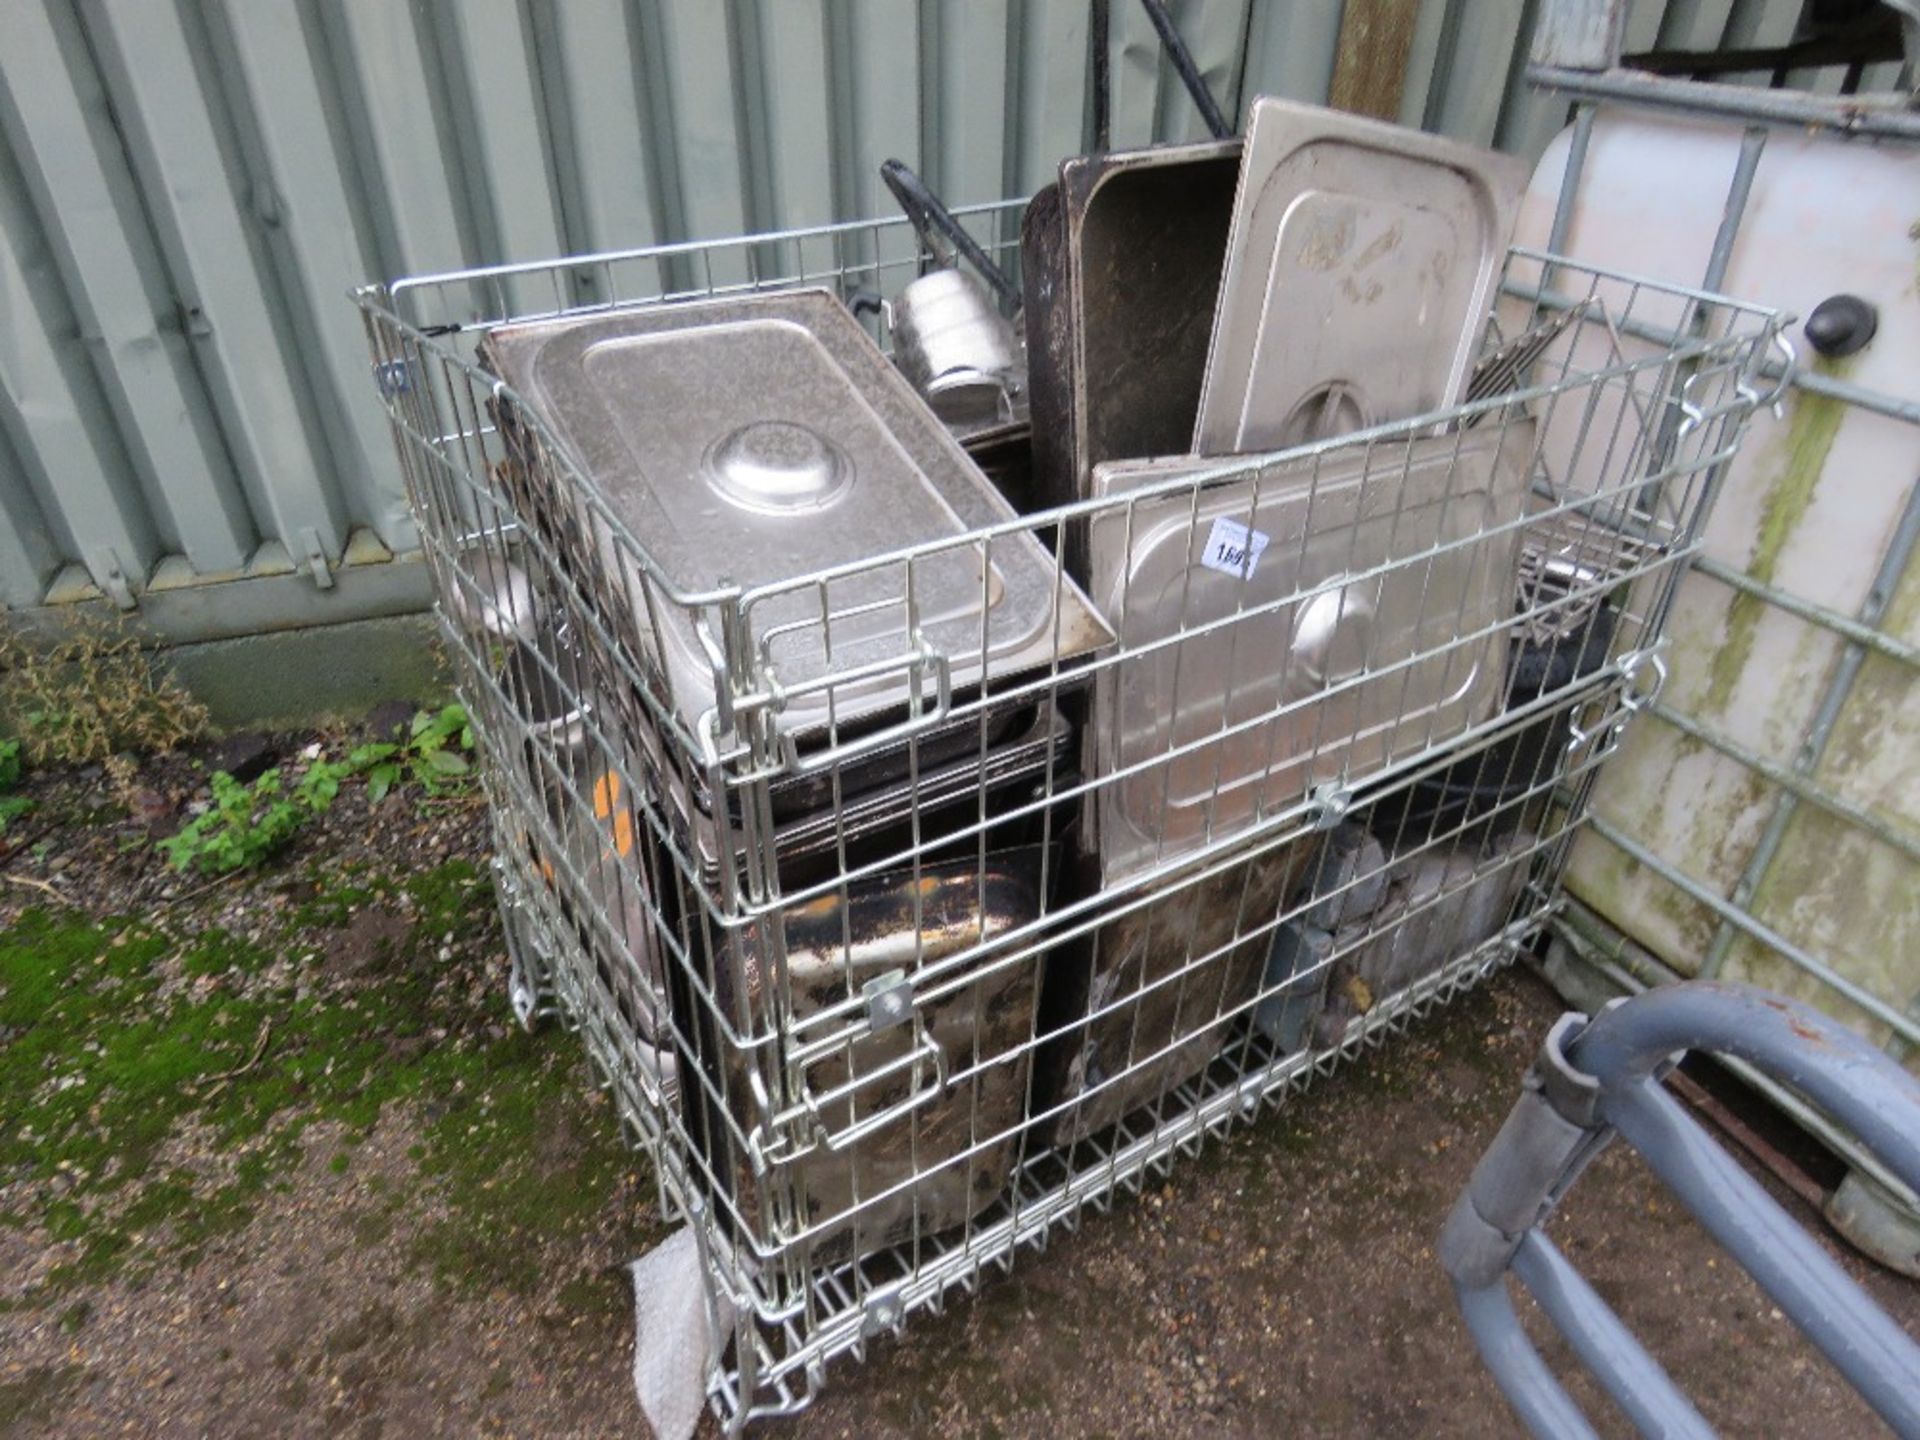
(1158, 997)
(904, 1103)
(1122, 263)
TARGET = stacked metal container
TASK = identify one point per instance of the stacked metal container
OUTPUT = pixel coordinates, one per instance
(732, 432)
(920, 871)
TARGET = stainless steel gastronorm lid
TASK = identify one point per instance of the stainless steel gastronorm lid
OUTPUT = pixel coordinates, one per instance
(1276, 636)
(762, 439)
(1361, 264)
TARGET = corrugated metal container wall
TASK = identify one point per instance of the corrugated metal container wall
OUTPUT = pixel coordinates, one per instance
(188, 188)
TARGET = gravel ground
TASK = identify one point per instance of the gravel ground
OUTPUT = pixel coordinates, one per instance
(273, 1164)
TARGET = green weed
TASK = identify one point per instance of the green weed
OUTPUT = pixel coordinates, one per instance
(247, 824)
(433, 754)
(12, 807)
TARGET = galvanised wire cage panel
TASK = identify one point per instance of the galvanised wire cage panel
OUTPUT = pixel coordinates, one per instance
(899, 953)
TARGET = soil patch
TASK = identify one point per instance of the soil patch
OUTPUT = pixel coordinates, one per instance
(274, 1160)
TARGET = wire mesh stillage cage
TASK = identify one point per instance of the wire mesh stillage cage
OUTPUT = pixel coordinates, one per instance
(915, 903)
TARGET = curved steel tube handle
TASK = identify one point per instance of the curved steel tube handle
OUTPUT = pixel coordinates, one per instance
(1596, 1079)
(925, 1054)
(931, 219)
(917, 666)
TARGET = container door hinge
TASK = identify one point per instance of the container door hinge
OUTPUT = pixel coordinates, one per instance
(316, 555)
(1330, 802)
(885, 1310)
(111, 577)
(889, 1000)
(194, 323)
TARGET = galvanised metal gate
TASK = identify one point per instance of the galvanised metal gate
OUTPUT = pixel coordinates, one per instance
(1599, 1079)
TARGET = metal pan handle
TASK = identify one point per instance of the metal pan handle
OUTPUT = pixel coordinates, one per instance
(925, 1063)
(927, 663)
(933, 222)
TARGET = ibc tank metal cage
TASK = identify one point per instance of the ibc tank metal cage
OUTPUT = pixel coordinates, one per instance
(888, 993)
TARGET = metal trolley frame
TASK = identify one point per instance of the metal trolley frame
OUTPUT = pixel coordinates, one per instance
(855, 1140)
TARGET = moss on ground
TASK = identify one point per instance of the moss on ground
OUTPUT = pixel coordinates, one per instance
(156, 1086)
(36, 1395)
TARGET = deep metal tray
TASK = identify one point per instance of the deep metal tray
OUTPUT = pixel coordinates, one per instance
(1122, 266)
(906, 1103)
(976, 788)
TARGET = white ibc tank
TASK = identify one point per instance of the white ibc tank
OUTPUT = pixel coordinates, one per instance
(1808, 506)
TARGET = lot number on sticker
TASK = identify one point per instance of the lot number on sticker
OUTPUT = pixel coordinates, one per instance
(1233, 548)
